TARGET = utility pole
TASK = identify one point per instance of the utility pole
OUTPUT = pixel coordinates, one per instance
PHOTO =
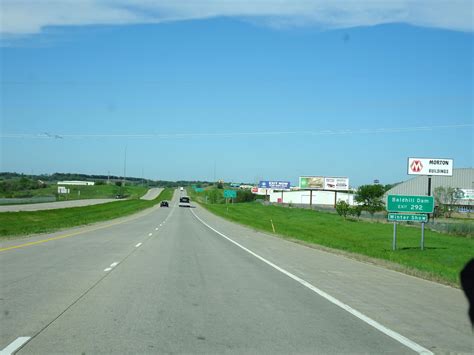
(124, 169)
(214, 171)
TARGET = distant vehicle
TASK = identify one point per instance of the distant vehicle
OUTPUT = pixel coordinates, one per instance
(119, 196)
(164, 204)
(181, 189)
(184, 201)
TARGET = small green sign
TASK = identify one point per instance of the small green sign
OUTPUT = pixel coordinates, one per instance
(230, 193)
(402, 203)
(405, 217)
(199, 189)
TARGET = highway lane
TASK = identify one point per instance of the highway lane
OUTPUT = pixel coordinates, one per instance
(39, 282)
(152, 193)
(55, 205)
(185, 289)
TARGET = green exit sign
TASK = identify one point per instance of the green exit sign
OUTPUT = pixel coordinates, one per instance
(230, 193)
(406, 217)
(402, 203)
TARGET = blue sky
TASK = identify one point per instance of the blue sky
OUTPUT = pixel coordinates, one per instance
(338, 100)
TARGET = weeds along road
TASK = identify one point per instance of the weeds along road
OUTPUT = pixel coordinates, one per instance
(180, 280)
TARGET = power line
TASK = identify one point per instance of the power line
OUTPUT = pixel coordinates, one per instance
(235, 134)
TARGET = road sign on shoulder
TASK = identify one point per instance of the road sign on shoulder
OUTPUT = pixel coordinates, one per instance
(230, 193)
(402, 203)
(406, 217)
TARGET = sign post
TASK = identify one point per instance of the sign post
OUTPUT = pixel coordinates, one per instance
(419, 206)
(394, 242)
(422, 236)
(230, 193)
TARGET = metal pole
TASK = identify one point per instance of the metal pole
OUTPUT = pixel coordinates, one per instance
(281, 196)
(422, 235)
(429, 191)
(311, 199)
(394, 242)
(124, 172)
(335, 199)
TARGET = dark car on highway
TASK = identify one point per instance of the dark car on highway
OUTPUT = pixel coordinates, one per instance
(164, 204)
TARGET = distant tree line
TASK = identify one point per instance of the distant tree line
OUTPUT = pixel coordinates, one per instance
(15, 181)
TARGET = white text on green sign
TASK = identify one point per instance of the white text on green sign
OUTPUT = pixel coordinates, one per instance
(401, 203)
(404, 217)
(230, 193)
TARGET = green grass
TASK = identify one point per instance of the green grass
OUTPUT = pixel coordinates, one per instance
(443, 258)
(23, 223)
(85, 192)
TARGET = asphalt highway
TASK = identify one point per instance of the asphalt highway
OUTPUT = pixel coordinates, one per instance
(179, 280)
(55, 205)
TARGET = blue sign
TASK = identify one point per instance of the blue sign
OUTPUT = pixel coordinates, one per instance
(275, 185)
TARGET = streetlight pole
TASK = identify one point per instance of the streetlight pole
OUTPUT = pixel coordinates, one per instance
(124, 170)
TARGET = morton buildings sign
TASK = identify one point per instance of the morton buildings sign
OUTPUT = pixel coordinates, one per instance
(429, 166)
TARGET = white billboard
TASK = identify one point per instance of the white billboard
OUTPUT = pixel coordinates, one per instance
(62, 190)
(464, 194)
(430, 166)
(259, 191)
(336, 183)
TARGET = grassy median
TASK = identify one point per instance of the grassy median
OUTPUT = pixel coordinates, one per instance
(24, 223)
(442, 260)
(78, 192)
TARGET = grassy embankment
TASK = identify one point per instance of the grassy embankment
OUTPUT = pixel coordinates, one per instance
(23, 223)
(443, 257)
(83, 192)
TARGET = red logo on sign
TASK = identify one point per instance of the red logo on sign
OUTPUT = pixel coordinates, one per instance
(416, 166)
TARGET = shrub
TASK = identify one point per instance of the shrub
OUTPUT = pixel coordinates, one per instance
(342, 208)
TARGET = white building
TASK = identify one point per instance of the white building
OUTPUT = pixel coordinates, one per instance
(317, 197)
(81, 183)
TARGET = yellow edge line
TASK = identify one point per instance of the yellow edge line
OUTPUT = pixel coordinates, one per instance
(71, 234)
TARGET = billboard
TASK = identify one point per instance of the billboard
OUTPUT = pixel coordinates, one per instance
(430, 166)
(312, 182)
(259, 191)
(275, 185)
(464, 194)
(336, 183)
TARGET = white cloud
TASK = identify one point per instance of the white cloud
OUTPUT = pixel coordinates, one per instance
(22, 17)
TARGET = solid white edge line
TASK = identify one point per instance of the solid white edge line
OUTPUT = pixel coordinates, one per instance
(136, 246)
(13, 346)
(392, 334)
